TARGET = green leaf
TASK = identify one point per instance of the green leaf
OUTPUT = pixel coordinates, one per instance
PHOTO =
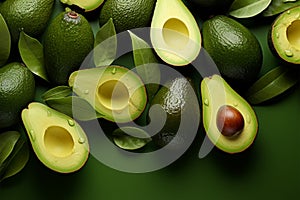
(17, 161)
(279, 6)
(272, 84)
(57, 92)
(130, 138)
(32, 54)
(105, 45)
(7, 142)
(147, 66)
(5, 41)
(248, 8)
(74, 106)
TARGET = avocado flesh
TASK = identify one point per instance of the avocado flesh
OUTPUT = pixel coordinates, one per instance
(285, 36)
(215, 94)
(86, 5)
(174, 33)
(177, 99)
(57, 140)
(115, 92)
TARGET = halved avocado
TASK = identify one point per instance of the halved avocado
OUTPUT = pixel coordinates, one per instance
(58, 141)
(114, 91)
(175, 34)
(229, 121)
(285, 36)
(84, 4)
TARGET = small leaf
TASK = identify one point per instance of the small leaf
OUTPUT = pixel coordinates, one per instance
(248, 8)
(31, 51)
(105, 45)
(18, 160)
(272, 84)
(147, 66)
(5, 41)
(7, 142)
(74, 106)
(130, 138)
(279, 6)
(56, 92)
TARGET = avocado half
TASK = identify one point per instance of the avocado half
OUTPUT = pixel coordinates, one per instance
(229, 121)
(115, 92)
(89, 5)
(284, 38)
(58, 141)
(174, 33)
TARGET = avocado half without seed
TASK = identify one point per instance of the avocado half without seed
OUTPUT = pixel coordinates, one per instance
(89, 5)
(57, 140)
(285, 36)
(175, 34)
(115, 92)
(229, 121)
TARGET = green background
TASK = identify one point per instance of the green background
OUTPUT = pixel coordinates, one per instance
(270, 169)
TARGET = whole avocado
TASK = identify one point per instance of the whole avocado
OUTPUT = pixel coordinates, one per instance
(31, 16)
(67, 41)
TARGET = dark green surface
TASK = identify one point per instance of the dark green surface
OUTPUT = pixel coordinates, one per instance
(268, 170)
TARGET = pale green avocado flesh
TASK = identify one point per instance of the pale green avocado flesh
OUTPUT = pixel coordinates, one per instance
(84, 4)
(285, 36)
(115, 92)
(174, 33)
(215, 94)
(58, 141)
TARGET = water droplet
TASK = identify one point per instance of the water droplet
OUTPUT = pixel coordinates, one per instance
(277, 35)
(32, 135)
(235, 104)
(114, 70)
(206, 102)
(71, 122)
(288, 12)
(48, 113)
(288, 53)
(81, 140)
(86, 91)
(248, 119)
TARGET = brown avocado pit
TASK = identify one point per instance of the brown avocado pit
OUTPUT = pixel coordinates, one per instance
(230, 121)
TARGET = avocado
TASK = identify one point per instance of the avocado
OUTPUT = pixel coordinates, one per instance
(174, 33)
(235, 50)
(67, 41)
(57, 140)
(284, 36)
(86, 5)
(30, 16)
(178, 100)
(229, 121)
(114, 91)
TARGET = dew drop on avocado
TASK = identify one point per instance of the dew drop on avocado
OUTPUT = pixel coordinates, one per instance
(32, 135)
(248, 119)
(114, 70)
(86, 91)
(81, 140)
(288, 53)
(49, 113)
(235, 104)
(206, 102)
(71, 122)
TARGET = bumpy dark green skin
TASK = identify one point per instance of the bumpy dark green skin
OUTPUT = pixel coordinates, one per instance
(127, 14)
(66, 44)
(176, 99)
(235, 50)
(17, 89)
(31, 16)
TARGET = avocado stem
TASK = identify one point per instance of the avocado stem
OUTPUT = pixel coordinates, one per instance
(73, 15)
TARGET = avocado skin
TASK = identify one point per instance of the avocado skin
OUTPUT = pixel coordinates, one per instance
(31, 16)
(66, 44)
(234, 49)
(175, 98)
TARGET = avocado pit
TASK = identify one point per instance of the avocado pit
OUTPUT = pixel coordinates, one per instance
(230, 121)
(293, 34)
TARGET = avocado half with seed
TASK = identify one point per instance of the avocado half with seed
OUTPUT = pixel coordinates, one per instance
(229, 121)
(115, 92)
(175, 34)
(89, 5)
(58, 141)
(284, 38)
